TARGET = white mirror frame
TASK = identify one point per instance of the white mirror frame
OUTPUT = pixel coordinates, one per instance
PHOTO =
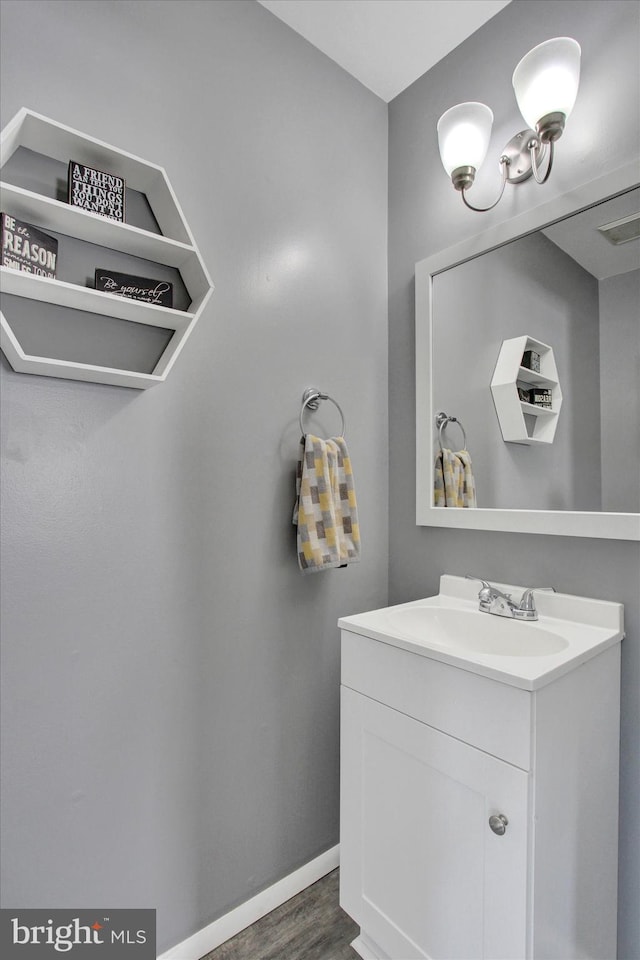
(567, 523)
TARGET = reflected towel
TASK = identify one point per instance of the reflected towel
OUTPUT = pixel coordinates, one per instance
(326, 513)
(454, 485)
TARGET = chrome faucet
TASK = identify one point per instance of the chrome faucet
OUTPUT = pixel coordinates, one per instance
(501, 604)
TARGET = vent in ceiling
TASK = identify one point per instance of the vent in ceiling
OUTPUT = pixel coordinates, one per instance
(621, 231)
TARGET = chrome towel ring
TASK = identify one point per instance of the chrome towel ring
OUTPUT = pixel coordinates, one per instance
(311, 401)
(442, 420)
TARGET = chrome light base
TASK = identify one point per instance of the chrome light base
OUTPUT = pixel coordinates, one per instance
(520, 159)
(463, 177)
(517, 155)
(550, 128)
(515, 161)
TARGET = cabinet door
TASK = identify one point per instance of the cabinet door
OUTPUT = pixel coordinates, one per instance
(421, 870)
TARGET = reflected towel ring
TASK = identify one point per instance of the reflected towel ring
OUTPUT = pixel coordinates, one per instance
(442, 420)
(311, 400)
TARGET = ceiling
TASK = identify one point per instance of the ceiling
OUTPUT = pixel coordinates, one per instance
(388, 44)
(385, 44)
(580, 237)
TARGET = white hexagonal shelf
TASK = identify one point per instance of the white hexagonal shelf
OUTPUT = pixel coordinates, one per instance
(510, 376)
(173, 247)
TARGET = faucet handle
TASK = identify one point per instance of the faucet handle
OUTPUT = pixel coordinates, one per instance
(526, 609)
(486, 592)
(527, 602)
(489, 594)
(485, 584)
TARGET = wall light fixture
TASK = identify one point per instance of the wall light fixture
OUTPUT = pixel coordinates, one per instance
(545, 84)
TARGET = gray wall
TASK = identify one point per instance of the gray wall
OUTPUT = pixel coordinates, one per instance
(526, 288)
(620, 408)
(170, 679)
(425, 215)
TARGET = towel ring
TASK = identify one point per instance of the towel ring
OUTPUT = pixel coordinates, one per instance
(311, 400)
(442, 420)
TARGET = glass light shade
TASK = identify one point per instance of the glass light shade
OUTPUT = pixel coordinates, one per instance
(463, 135)
(546, 79)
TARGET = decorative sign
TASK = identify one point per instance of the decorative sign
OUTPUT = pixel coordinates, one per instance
(159, 292)
(531, 360)
(27, 249)
(538, 396)
(96, 191)
(541, 397)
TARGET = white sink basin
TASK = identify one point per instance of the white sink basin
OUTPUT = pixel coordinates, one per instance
(450, 627)
(475, 632)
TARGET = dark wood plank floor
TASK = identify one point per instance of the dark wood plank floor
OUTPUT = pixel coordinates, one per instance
(311, 926)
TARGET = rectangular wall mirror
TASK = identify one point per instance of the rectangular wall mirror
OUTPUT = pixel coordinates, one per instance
(551, 278)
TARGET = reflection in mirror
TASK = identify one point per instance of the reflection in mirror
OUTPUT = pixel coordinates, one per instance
(563, 278)
(571, 288)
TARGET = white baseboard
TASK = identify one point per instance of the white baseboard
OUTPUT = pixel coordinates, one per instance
(216, 933)
(366, 948)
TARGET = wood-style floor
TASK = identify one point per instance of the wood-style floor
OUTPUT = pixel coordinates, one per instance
(311, 926)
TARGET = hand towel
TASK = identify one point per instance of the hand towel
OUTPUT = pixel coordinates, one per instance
(454, 485)
(326, 512)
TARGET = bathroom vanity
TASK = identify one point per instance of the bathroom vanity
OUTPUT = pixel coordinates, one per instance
(479, 764)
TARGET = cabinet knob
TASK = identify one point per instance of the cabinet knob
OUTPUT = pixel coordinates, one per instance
(498, 824)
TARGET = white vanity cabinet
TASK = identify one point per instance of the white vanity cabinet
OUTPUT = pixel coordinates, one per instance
(421, 871)
(434, 759)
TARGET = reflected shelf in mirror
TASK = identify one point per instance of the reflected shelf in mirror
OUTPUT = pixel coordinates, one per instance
(548, 488)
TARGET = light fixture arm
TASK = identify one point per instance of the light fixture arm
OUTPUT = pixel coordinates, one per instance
(545, 83)
(504, 166)
(521, 158)
(535, 169)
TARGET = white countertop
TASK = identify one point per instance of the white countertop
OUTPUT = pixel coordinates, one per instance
(582, 627)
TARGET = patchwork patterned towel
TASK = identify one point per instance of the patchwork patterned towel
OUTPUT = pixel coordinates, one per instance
(454, 485)
(325, 512)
